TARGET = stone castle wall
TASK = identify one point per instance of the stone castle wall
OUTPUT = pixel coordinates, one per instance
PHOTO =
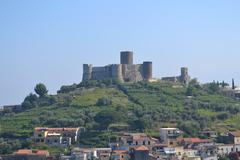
(123, 72)
(126, 71)
(132, 73)
(183, 78)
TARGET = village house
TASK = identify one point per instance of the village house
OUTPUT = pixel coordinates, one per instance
(91, 153)
(120, 155)
(209, 134)
(234, 137)
(169, 136)
(207, 151)
(136, 139)
(139, 153)
(226, 149)
(56, 136)
(191, 143)
(26, 154)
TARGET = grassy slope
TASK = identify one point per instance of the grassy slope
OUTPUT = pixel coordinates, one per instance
(152, 96)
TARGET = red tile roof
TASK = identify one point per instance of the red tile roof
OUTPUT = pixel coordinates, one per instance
(120, 151)
(235, 134)
(24, 151)
(141, 148)
(194, 140)
(42, 152)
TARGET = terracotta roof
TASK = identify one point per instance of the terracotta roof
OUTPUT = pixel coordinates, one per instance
(235, 134)
(42, 152)
(24, 151)
(194, 140)
(141, 148)
(120, 151)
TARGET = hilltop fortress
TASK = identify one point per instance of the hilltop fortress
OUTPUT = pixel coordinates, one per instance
(126, 71)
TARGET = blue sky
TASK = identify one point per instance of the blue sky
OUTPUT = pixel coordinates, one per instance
(48, 41)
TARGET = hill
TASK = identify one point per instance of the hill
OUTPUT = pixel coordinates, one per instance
(106, 107)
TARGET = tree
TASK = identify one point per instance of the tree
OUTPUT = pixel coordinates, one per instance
(189, 91)
(104, 101)
(213, 87)
(107, 117)
(30, 101)
(41, 89)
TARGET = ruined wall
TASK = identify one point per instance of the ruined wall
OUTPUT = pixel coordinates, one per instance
(123, 72)
(100, 73)
(170, 79)
(183, 78)
(132, 73)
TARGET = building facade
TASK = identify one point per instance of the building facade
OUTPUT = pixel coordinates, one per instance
(56, 136)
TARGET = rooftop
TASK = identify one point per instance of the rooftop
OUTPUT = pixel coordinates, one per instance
(141, 148)
(24, 151)
(194, 140)
(120, 151)
(235, 134)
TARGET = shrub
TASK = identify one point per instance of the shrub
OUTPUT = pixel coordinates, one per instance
(104, 101)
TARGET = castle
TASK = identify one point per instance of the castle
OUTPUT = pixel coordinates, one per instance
(183, 78)
(126, 71)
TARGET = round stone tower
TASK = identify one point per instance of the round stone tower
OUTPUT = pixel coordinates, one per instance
(87, 72)
(185, 78)
(116, 70)
(126, 57)
(147, 70)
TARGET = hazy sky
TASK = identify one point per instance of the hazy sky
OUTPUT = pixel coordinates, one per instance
(49, 40)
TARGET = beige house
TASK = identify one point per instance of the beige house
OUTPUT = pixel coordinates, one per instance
(235, 137)
(136, 139)
(56, 136)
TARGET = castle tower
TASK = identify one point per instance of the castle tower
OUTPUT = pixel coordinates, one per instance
(147, 70)
(116, 71)
(184, 78)
(126, 57)
(87, 72)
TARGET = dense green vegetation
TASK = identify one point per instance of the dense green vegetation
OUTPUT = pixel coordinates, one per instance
(106, 107)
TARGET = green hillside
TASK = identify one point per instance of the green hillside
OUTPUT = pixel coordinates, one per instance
(104, 108)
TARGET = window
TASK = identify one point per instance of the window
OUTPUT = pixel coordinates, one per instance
(136, 142)
(144, 143)
(149, 143)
